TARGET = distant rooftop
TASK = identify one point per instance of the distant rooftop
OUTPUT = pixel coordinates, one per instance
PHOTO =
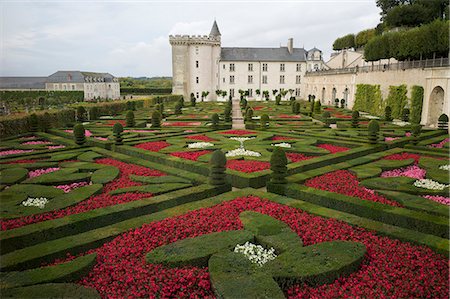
(263, 54)
(22, 82)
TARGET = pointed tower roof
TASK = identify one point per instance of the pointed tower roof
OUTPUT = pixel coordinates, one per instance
(215, 30)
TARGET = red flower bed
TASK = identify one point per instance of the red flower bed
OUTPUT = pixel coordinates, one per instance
(96, 201)
(154, 146)
(339, 115)
(288, 116)
(21, 161)
(111, 123)
(403, 156)
(200, 137)
(237, 132)
(181, 124)
(257, 108)
(333, 148)
(296, 157)
(345, 182)
(281, 138)
(391, 268)
(247, 165)
(190, 155)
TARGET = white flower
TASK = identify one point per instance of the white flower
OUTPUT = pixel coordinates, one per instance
(241, 139)
(371, 117)
(256, 253)
(283, 144)
(445, 167)
(242, 152)
(400, 123)
(429, 184)
(256, 117)
(35, 202)
(200, 145)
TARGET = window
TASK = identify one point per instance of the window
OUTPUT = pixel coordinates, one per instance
(55, 86)
(250, 79)
(223, 66)
(223, 79)
(73, 87)
(232, 93)
(264, 79)
(282, 79)
(299, 67)
(250, 93)
(231, 79)
(196, 50)
(196, 63)
(281, 67)
(197, 95)
(64, 86)
(264, 67)
(297, 92)
(196, 79)
(297, 79)
(250, 67)
(231, 67)
(316, 67)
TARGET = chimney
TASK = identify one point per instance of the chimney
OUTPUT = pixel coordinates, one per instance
(290, 45)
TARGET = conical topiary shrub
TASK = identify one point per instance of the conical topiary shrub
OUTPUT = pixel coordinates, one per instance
(117, 131)
(227, 113)
(215, 120)
(249, 115)
(355, 119)
(326, 115)
(79, 134)
(296, 107)
(217, 164)
(415, 132)
(178, 108)
(278, 165)
(34, 123)
(130, 119)
(46, 122)
(93, 113)
(317, 107)
(81, 114)
(156, 119)
(264, 121)
(388, 113)
(443, 122)
(373, 128)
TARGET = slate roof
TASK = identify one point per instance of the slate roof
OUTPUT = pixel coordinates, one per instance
(263, 54)
(77, 77)
(215, 30)
(22, 82)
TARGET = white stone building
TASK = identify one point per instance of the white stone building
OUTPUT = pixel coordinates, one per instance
(200, 64)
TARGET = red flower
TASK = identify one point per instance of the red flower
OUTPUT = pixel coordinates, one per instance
(333, 148)
(237, 132)
(111, 123)
(200, 137)
(403, 156)
(190, 155)
(247, 165)
(296, 157)
(154, 146)
(345, 182)
(288, 116)
(281, 138)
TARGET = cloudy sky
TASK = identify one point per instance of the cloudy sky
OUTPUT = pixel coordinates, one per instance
(130, 38)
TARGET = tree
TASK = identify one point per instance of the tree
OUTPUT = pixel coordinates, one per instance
(278, 165)
(249, 115)
(79, 134)
(266, 94)
(342, 103)
(388, 113)
(355, 119)
(416, 104)
(413, 15)
(443, 122)
(363, 37)
(373, 128)
(130, 119)
(193, 100)
(386, 5)
(258, 92)
(81, 114)
(326, 115)
(156, 119)
(274, 91)
(296, 107)
(336, 103)
(217, 164)
(264, 121)
(317, 107)
(312, 105)
(345, 42)
(215, 120)
(117, 132)
(94, 113)
(278, 99)
(34, 123)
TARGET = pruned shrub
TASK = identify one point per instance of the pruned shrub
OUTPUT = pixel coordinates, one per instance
(156, 119)
(355, 119)
(217, 165)
(415, 132)
(264, 121)
(215, 120)
(278, 165)
(178, 109)
(34, 123)
(117, 132)
(326, 115)
(130, 119)
(317, 107)
(81, 114)
(79, 134)
(388, 113)
(443, 122)
(374, 129)
(227, 113)
(405, 115)
(46, 122)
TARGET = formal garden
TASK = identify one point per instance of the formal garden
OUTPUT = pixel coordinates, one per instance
(164, 198)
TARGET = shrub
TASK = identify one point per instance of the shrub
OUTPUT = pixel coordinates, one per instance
(117, 131)
(227, 113)
(443, 122)
(336, 103)
(368, 98)
(181, 101)
(387, 113)
(373, 128)
(278, 165)
(178, 107)
(156, 119)
(405, 114)
(34, 123)
(397, 100)
(215, 120)
(278, 99)
(326, 115)
(81, 114)
(264, 121)
(312, 105)
(342, 103)
(244, 103)
(415, 130)
(296, 107)
(416, 104)
(249, 115)
(94, 113)
(217, 165)
(193, 100)
(46, 122)
(355, 119)
(79, 134)
(317, 107)
(130, 119)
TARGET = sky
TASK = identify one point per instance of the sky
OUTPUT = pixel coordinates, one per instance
(131, 38)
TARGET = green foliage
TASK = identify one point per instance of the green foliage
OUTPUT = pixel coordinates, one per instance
(443, 122)
(227, 113)
(415, 130)
(373, 128)
(215, 120)
(33, 123)
(326, 115)
(156, 119)
(388, 113)
(81, 114)
(278, 165)
(11, 176)
(130, 119)
(345, 42)
(79, 134)
(317, 107)
(193, 100)
(94, 113)
(368, 99)
(416, 104)
(249, 115)
(397, 100)
(155, 189)
(405, 114)
(278, 99)
(52, 290)
(355, 119)
(217, 166)
(131, 105)
(412, 15)
(178, 108)
(295, 107)
(117, 131)
(363, 37)
(46, 122)
(264, 121)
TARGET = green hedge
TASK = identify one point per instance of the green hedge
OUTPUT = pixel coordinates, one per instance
(47, 98)
(416, 104)
(368, 99)
(397, 100)
(143, 91)
(52, 290)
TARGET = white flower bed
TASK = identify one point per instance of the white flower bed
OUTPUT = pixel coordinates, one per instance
(283, 144)
(242, 152)
(241, 139)
(400, 123)
(256, 253)
(256, 117)
(429, 184)
(371, 117)
(445, 167)
(39, 202)
(200, 145)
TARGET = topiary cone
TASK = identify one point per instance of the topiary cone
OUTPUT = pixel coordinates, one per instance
(79, 134)
(130, 119)
(278, 165)
(117, 131)
(217, 163)
(355, 119)
(33, 123)
(156, 119)
(373, 128)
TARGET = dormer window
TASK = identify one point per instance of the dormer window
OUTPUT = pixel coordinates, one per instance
(69, 77)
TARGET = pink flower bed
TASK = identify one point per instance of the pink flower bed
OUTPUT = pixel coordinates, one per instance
(247, 166)
(296, 157)
(237, 132)
(87, 133)
(14, 152)
(412, 171)
(38, 172)
(200, 137)
(346, 183)
(70, 187)
(141, 131)
(440, 199)
(101, 138)
(333, 148)
(403, 156)
(154, 146)
(193, 156)
(111, 123)
(389, 139)
(440, 144)
(52, 147)
(28, 138)
(181, 124)
(390, 269)
(36, 142)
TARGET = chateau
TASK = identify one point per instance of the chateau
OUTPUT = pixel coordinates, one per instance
(200, 64)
